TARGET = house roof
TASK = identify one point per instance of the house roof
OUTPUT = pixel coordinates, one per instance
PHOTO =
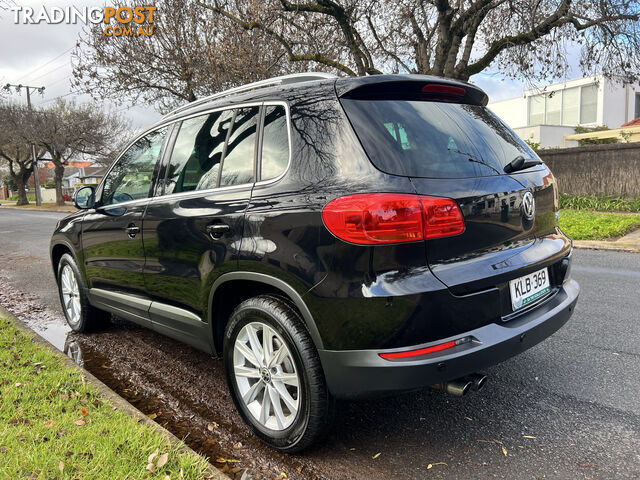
(84, 172)
(633, 123)
(71, 164)
(92, 172)
(70, 172)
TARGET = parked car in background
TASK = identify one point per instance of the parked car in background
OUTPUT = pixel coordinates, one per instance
(328, 237)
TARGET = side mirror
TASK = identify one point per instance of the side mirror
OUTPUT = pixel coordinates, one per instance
(83, 198)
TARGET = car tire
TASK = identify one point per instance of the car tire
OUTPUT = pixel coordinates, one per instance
(80, 315)
(283, 396)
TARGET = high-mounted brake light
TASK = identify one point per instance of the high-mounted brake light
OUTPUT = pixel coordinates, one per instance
(385, 218)
(448, 89)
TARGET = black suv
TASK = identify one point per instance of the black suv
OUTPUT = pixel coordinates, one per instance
(328, 237)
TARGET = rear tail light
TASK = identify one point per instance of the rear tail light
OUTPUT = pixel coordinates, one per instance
(383, 218)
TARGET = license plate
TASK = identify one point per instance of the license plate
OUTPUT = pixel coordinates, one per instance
(529, 288)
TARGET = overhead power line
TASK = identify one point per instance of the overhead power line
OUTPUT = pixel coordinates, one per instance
(48, 62)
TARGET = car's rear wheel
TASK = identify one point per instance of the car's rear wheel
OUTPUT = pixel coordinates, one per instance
(80, 315)
(274, 374)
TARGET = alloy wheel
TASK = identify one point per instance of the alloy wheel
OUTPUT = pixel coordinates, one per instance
(70, 295)
(266, 376)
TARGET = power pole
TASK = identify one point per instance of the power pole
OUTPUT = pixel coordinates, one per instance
(33, 147)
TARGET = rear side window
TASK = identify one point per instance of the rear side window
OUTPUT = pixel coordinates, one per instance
(434, 139)
(197, 153)
(275, 142)
(237, 166)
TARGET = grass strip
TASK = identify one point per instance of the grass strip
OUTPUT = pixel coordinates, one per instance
(589, 225)
(54, 425)
(602, 203)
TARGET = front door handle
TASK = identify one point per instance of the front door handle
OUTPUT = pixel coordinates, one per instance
(132, 230)
(217, 230)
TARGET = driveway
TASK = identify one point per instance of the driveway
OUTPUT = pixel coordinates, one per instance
(567, 408)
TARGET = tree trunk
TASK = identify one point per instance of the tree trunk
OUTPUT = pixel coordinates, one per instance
(58, 173)
(21, 180)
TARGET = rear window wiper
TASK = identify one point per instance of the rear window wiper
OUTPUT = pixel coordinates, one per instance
(481, 162)
(519, 163)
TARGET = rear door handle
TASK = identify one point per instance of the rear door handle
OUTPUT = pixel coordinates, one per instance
(217, 230)
(132, 230)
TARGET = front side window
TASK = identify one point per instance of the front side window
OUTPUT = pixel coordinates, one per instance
(275, 142)
(196, 156)
(131, 177)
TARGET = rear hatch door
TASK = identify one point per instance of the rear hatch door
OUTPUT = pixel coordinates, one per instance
(450, 145)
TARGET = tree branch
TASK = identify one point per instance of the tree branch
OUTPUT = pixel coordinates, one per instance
(382, 47)
(543, 28)
(255, 24)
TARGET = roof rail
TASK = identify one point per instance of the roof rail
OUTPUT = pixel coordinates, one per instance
(269, 82)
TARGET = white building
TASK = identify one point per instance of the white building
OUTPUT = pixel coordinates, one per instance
(546, 115)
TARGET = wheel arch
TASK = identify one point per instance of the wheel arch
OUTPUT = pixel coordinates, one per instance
(261, 283)
(58, 249)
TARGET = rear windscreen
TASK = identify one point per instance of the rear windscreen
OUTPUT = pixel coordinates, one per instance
(434, 139)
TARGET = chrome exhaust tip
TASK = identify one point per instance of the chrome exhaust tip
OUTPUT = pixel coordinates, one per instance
(462, 386)
(478, 380)
(458, 387)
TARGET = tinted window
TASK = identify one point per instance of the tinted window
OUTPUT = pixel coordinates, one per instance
(275, 142)
(570, 106)
(434, 139)
(196, 155)
(589, 104)
(237, 166)
(536, 110)
(130, 178)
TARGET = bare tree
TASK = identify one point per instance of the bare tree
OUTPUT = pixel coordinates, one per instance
(15, 151)
(521, 38)
(192, 52)
(67, 131)
(111, 152)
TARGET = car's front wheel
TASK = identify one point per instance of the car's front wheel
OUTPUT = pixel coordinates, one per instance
(80, 315)
(274, 373)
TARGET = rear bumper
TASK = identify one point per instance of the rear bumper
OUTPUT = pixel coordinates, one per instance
(361, 373)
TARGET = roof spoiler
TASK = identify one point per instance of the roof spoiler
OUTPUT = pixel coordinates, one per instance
(410, 87)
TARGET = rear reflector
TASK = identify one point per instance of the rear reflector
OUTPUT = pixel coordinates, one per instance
(417, 353)
(385, 218)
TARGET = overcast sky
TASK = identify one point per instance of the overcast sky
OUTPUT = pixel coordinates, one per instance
(40, 55)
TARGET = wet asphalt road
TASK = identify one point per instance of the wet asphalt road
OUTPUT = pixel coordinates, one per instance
(567, 408)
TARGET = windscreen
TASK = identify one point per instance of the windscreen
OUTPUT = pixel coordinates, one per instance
(434, 139)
